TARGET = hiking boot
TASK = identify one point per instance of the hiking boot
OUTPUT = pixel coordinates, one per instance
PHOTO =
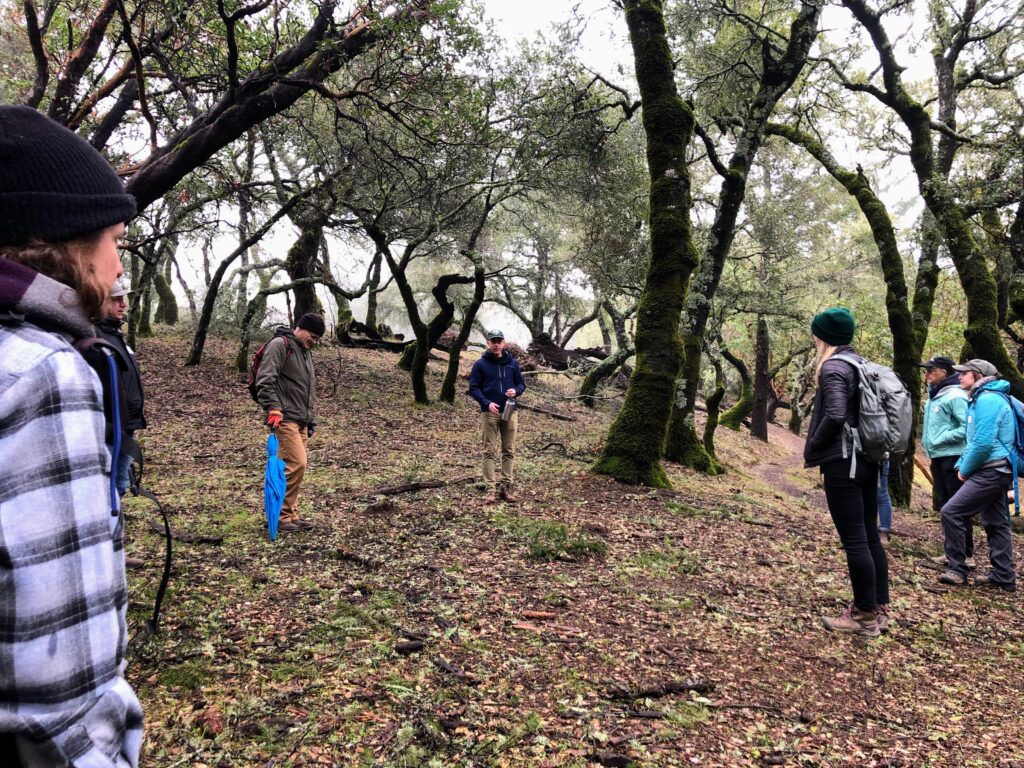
(304, 525)
(882, 617)
(986, 581)
(941, 560)
(507, 495)
(953, 578)
(134, 563)
(491, 498)
(853, 621)
(287, 526)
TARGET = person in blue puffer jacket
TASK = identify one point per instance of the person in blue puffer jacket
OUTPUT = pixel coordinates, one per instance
(987, 475)
(495, 379)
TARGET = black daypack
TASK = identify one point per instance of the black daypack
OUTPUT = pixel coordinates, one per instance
(257, 360)
(103, 358)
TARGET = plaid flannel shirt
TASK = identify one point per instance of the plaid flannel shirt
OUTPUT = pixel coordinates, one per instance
(63, 594)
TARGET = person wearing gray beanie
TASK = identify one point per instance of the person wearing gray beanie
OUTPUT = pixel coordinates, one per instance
(63, 634)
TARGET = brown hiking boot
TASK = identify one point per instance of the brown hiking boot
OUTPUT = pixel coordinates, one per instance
(134, 562)
(986, 581)
(941, 560)
(287, 526)
(953, 578)
(507, 495)
(491, 498)
(853, 621)
(882, 617)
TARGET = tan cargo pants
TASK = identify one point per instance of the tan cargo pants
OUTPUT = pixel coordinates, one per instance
(493, 429)
(291, 448)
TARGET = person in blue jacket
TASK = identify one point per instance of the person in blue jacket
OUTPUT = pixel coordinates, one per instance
(987, 475)
(494, 380)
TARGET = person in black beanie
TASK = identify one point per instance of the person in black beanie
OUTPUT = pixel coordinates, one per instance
(852, 503)
(63, 632)
(286, 389)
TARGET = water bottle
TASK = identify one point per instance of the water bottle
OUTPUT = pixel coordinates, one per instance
(509, 409)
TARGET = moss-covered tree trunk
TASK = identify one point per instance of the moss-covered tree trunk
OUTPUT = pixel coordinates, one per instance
(714, 404)
(734, 417)
(633, 448)
(1015, 291)
(931, 166)
(777, 77)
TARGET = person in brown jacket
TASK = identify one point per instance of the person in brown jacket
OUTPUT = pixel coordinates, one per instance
(286, 389)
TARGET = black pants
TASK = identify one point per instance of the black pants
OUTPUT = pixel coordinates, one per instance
(853, 505)
(947, 483)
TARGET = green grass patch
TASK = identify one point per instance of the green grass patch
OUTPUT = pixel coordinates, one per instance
(547, 540)
(188, 676)
(665, 559)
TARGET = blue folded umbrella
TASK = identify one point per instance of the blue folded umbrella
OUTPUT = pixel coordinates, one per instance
(274, 486)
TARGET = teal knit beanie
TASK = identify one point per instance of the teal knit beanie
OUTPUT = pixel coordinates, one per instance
(834, 326)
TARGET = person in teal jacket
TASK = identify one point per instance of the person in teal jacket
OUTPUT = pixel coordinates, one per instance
(944, 436)
(987, 475)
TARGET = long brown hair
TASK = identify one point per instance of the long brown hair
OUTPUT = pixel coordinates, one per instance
(70, 263)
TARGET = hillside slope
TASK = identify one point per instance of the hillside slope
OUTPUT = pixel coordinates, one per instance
(540, 623)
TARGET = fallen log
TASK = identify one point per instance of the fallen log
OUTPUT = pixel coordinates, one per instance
(187, 538)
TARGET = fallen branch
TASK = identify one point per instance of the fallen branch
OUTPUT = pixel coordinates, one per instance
(545, 411)
(456, 672)
(622, 693)
(924, 470)
(187, 538)
(417, 485)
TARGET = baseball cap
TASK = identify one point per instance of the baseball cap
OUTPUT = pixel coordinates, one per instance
(983, 367)
(939, 362)
(120, 288)
(495, 334)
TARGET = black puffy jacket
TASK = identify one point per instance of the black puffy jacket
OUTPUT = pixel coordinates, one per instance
(835, 404)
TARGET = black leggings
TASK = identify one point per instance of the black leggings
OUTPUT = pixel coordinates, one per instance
(853, 505)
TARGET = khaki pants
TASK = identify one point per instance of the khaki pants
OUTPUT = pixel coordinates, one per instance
(492, 428)
(291, 449)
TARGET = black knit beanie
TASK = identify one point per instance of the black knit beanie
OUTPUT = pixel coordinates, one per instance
(312, 323)
(834, 326)
(53, 185)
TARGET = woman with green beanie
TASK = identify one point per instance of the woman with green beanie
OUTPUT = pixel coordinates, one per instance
(851, 502)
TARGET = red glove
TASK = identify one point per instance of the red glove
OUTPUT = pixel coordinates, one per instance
(274, 418)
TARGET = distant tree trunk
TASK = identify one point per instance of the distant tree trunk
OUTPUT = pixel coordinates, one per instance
(713, 404)
(776, 79)
(634, 445)
(600, 372)
(762, 382)
(908, 324)
(371, 293)
(734, 417)
(451, 375)
(146, 310)
(438, 324)
(606, 333)
(301, 265)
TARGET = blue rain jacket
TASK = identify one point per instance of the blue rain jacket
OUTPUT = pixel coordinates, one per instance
(990, 427)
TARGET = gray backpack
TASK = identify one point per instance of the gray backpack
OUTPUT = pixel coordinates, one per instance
(884, 413)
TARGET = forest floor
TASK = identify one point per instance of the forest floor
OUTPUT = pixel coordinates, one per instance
(592, 623)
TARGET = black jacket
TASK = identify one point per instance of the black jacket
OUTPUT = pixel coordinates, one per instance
(110, 330)
(835, 404)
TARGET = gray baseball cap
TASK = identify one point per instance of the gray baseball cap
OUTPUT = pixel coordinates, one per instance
(495, 334)
(982, 367)
(120, 288)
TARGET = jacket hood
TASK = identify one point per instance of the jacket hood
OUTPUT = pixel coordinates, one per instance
(505, 357)
(41, 300)
(991, 384)
(952, 380)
